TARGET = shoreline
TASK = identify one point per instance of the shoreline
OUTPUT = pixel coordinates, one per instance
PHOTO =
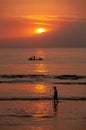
(46, 98)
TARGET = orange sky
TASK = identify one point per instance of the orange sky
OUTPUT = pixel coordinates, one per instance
(19, 18)
(43, 7)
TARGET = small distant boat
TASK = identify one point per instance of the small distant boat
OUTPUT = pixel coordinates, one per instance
(35, 59)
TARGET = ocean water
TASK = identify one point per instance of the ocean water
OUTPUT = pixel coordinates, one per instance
(64, 68)
(56, 61)
(26, 89)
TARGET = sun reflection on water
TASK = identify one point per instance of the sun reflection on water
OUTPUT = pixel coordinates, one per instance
(40, 88)
(41, 68)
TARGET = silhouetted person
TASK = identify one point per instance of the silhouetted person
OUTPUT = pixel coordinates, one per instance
(55, 95)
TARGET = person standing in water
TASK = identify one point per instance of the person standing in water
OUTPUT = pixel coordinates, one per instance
(55, 95)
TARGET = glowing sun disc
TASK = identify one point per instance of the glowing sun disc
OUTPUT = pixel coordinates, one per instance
(40, 30)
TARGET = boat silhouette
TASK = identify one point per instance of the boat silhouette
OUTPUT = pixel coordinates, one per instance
(35, 59)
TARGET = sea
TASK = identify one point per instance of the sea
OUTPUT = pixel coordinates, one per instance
(26, 88)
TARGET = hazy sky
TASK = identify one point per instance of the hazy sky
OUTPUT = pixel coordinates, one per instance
(63, 20)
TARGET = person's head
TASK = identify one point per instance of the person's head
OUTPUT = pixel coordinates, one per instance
(54, 88)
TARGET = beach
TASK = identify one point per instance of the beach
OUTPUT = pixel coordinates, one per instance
(42, 115)
(26, 89)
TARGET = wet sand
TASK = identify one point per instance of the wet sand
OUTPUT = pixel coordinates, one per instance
(42, 115)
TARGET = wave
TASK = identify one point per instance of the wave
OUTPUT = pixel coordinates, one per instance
(16, 115)
(20, 78)
(43, 98)
(71, 77)
(27, 116)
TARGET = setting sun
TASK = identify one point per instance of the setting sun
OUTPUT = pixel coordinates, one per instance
(40, 30)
